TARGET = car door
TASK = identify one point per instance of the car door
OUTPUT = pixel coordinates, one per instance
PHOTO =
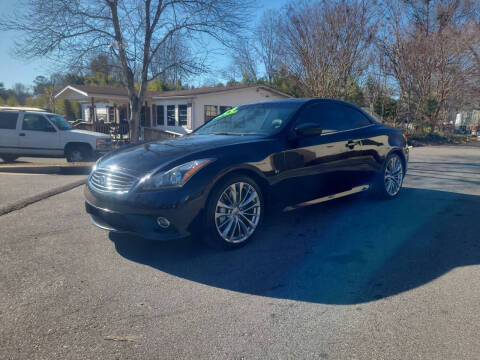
(325, 164)
(361, 137)
(38, 136)
(313, 165)
(8, 132)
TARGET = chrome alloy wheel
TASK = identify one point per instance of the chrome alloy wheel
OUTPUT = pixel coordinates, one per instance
(237, 212)
(393, 177)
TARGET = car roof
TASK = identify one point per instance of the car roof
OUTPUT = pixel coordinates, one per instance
(22, 108)
(280, 101)
(29, 110)
(41, 112)
(302, 101)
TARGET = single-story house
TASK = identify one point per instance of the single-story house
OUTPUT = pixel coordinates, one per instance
(178, 111)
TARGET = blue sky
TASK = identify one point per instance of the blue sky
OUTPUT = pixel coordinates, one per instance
(13, 70)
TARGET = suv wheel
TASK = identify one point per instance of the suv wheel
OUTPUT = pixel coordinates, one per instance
(8, 158)
(234, 212)
(78, 153)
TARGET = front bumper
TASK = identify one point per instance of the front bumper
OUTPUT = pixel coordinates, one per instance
(137, 213)
(140, 225)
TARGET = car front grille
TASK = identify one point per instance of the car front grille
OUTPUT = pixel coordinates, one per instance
(109, 180)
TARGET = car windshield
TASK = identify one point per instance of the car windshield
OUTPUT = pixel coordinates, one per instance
(255, 119)
(60, 122)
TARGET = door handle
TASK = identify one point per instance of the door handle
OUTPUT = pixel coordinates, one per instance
(351, 144)
(21, 134)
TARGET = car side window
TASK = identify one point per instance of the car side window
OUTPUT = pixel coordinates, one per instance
(353, 118)
(36, 122)
(333, 117)
(8, 120)
(324, 115)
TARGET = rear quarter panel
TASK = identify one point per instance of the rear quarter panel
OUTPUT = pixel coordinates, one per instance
(378, 141)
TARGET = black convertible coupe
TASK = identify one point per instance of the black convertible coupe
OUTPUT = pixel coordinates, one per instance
(219, 180)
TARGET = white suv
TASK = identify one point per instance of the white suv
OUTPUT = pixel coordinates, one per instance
(34, 132)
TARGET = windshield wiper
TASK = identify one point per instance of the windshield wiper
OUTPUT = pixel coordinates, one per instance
(223, 133)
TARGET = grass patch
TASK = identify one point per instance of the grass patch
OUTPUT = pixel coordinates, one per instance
(421, 139)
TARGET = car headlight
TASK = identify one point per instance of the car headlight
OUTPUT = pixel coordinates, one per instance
(177, 176)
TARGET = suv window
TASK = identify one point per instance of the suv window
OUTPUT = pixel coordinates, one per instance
(8, 120)
(36, 122)
(333, 117)
(60, 122)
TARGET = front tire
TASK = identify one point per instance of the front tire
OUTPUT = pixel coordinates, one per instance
(390, 179)
(234, 212)
(8, 158)
(78, 153)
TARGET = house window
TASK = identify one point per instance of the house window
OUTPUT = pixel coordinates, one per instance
(123, 114)
(111, 114)
(171, 115)
(210, 112)
(182, 115)
(224, 108)
(160, 115)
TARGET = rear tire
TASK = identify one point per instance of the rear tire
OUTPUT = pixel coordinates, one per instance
(390, 180)
(78, 153)
(8, 158)
(234, 212)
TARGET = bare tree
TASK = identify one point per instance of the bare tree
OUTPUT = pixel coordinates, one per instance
(470, 38)
(21, 92)
(257, 56)
(134, 31)
(245, 61)
(179, 53)
(103, 63)
(268, 44)
(326, 44)
(426, 56)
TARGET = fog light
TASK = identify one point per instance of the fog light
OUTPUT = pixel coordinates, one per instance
(163, 222)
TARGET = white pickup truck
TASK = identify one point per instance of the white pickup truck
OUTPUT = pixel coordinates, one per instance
(33, 132)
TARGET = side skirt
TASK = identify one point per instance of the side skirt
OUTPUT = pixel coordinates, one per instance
(354, 190)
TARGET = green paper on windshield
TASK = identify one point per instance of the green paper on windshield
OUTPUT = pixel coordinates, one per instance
(227, 113)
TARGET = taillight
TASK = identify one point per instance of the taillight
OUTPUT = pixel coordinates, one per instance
(405, 138)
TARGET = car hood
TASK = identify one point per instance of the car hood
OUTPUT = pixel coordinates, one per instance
(77, 133)
(143, 158)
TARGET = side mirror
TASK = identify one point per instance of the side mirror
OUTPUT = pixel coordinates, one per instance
(308, 129)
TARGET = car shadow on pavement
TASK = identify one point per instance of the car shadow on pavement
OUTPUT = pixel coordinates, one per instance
(347, 251)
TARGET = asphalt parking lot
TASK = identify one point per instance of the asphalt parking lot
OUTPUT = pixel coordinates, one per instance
(17, 188)
(354, 278)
